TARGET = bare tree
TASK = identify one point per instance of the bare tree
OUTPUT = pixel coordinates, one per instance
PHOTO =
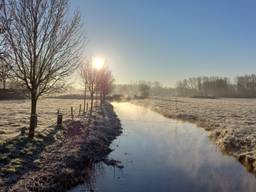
(144, 90)
(104, 82)
(4, 68)
(1, 44)
(107, 85)
(2, 49)
(84, 74)
(44, 45)
(246, 85)
(205, 87)
(90, 79)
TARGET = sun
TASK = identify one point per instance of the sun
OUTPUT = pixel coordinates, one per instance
(98, 63)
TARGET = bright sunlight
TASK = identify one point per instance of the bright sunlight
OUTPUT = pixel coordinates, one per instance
(98, 62)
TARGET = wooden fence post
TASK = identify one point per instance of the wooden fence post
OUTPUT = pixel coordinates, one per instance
(72, 113)
(79, 110)
(86, 107)
(59, 119)
(176, 104)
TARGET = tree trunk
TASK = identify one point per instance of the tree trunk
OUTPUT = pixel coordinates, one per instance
(103, 97)
(100, 97)
(33, 115)
(84, 98)
(95, 98)
(4, 83)
(91, 101)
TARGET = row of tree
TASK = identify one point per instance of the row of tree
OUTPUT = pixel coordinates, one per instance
(241, 86)
(143, 89)
(97, 82)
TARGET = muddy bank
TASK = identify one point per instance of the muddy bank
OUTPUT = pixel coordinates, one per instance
(63, 162)
(230, 122)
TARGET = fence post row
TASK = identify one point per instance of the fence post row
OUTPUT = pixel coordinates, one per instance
(60, 116)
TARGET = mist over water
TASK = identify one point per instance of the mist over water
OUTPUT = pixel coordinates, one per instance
(161, 154)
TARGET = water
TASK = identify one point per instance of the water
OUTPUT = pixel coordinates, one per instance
(160, 154)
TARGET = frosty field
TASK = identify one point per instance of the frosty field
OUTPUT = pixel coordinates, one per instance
(14, 114)
(60, 152)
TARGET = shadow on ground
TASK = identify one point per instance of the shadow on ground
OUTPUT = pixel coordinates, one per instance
(21, 154)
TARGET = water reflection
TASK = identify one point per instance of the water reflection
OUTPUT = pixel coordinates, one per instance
(160, 154)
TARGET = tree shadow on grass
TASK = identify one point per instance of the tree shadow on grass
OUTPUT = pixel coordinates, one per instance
(21, 154)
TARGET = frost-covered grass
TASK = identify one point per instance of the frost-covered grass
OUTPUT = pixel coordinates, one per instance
(24, 161)
(60, 158)
(14, 114)
(232, 122)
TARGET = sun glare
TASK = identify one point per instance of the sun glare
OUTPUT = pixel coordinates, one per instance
(98, 63)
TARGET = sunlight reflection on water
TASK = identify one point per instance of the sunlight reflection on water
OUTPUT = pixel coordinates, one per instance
(160, 154)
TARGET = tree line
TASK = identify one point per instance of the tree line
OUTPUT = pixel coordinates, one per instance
(243, 86)
(97, 82)
(143, 89)
(240, 86)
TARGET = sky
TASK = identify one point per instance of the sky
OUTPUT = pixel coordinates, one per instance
(169, 40)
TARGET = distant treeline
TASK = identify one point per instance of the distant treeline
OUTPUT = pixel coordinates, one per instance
(143, 89)
(241, 86)
(11, 94)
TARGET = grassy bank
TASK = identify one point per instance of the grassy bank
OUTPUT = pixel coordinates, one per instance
(58, 158)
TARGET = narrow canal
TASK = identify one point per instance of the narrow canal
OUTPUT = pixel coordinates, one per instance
(160, 154)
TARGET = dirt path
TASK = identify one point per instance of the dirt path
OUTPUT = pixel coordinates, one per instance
(231, 122)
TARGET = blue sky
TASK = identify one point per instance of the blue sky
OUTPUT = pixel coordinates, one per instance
(168, 40)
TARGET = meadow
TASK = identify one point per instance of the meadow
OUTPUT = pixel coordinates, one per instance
(14, 115)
